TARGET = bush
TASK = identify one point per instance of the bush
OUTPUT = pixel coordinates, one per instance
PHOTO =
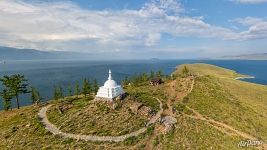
(165, 106)
(150, 130)
(180, 107)
(156, 141)
(130, 140)
(185, 99)
(142, 146)
(68, 141)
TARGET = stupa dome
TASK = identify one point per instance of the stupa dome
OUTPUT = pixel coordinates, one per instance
(110, 84)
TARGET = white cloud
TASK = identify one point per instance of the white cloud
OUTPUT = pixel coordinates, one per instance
(66, 26)
(257, 28)
(250, 1)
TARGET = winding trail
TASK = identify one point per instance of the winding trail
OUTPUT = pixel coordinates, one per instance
(216, 124)
(169, 110)
(222, 127)
(219, 125)
(54, 130)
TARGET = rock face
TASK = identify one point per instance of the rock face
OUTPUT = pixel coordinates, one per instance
(135, 107)
(119, 97)
(141, 109)
(169, 123)
(64, 107)
(145, 111)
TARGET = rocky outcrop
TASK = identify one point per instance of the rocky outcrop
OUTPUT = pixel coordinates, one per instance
(169, 123)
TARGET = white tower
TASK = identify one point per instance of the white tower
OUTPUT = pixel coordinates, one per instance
(110, 90)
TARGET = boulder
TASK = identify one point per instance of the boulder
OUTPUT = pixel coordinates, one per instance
(169, 123)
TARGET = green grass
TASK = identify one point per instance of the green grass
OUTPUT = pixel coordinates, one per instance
(207, 69)
(96, 118)
(237, 103)
(194, 134)
(22, 129)
(253, 98)
(145, 94)
(211, 99)
(148, 101)
(216, 95)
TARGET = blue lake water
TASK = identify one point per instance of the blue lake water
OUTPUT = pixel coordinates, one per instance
(46, 74)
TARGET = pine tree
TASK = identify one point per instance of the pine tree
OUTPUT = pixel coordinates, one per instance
(86, 87)
(185, 71)
(70, 90)
(144, 77)
(125, 81)
(56, 93)
(60, 92)
(89, 87)
(6, 99)
(77, 90)
(152, 74)
(15, 85)
(35, 96)
(95, 86)
(159, 74)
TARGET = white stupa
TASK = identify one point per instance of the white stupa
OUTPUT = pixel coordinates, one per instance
(110, 90)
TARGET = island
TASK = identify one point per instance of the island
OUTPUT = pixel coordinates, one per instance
(198, 106)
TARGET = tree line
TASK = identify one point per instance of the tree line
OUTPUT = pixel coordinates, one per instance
(16, 85)
(86, 89)
(142, 77)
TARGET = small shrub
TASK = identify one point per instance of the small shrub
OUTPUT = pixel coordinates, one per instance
(103, 108)
(142, 146)
(67, 141)
(165, 106)
(150, 130)
(14, 129)
(118, 106)
(185, 99)
(156, 141)
(179, 107)
(130, 140)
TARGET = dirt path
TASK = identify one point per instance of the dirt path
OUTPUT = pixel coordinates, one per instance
(149, 145)
(172, 92)
(169, 110)
(53, 129)
(224, 128)
(219, 125)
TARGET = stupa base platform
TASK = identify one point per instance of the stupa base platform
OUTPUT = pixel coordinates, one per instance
(119, 97)
(103, 99)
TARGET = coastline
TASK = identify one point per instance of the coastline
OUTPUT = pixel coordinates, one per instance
(249, 77)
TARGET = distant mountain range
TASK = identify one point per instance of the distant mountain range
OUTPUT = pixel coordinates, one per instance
(259, 56)
(8, 53)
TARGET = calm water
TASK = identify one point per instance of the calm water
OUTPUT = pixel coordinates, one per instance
(44, 75)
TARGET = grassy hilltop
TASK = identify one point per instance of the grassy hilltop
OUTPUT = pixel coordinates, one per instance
(217, 95)
(213, 111)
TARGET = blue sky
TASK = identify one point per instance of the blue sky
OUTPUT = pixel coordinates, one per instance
(137, 28)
